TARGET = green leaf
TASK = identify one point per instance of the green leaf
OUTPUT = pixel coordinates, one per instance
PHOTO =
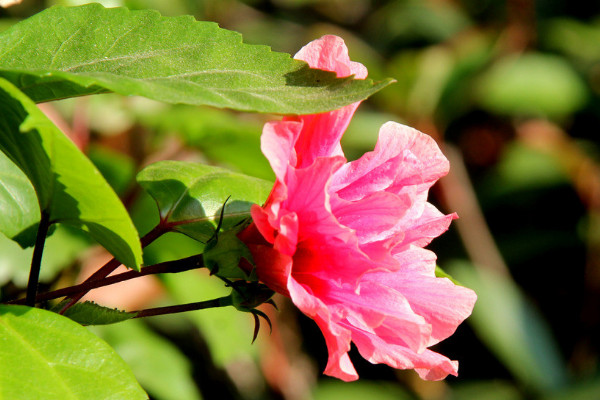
(156, 363)
(513, 329)
(47, 356)
(170, 59)
(190, 196)
(69, 188)
(18, 202)
(90, 313)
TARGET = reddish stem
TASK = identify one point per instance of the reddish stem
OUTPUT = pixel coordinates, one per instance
(184, 264)
(151, 312)
(113, 264)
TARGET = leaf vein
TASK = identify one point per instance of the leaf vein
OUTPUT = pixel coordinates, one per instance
(132, 57)
(62, 45)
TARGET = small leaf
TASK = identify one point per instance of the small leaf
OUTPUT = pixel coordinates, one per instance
(69, 188)
(170, 59)
(47, 356)
(90, 313)
(190, 196)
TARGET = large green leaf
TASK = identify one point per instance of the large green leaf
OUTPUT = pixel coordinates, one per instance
(64, 52)
(69, 188)
(47, 356)
(190, 196)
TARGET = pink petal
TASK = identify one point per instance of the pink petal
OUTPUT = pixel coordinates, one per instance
(308, 198)
(337, 338)
(428, 364)
(413, 259)
(421, 230)
(277, 144)
(323, 262)
(440, 302)
(382, 311)
(402, 157)
(273, 267)
(321, 133)
(287, 239)
(331, 54)
(373, 217)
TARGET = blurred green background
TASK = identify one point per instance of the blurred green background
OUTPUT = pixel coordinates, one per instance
(511, 91)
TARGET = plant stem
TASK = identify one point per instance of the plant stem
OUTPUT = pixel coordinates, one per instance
(151, 312)
(184, 264)
(113, 264)
(36, 259)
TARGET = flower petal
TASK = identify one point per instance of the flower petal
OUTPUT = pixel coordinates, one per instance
(428, 364)
(277, 144)
(440, 302)
(321, 133)
(372, 217)
(403, 157)
(337, 338)
(331, 54)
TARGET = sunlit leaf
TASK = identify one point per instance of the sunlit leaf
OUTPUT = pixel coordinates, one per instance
(90, 49)
(190, 196)
(47, 356)
(69, 188)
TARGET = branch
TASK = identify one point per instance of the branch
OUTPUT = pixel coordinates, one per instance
(113, 264)
(184, 264)
(36, 259)
(151, 312)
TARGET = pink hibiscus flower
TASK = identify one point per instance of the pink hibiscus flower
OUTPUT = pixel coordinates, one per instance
(345, 240)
